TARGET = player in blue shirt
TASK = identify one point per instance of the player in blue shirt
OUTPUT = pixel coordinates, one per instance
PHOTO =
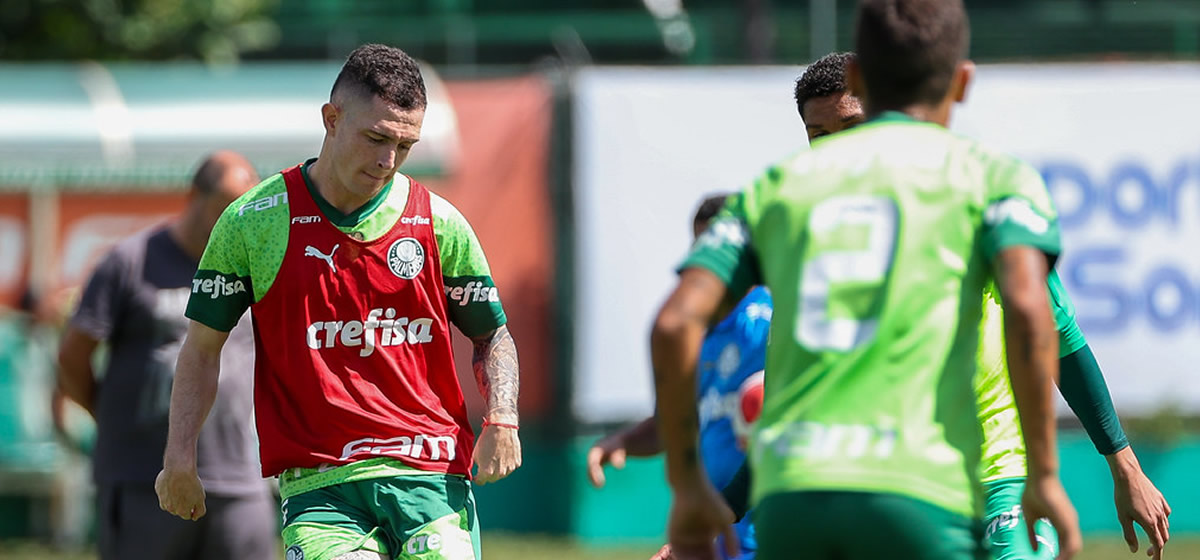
(729, 395)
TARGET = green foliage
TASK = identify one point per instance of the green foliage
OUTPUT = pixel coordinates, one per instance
(1163, 428)
(216, 31)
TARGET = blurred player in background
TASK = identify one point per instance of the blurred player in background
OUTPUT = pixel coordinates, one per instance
(729, 394)
(826, 105)
(354, 273)
(134, 302)
(876, 246)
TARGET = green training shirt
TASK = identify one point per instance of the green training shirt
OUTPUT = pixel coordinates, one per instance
(876, 247)
(1003, 445)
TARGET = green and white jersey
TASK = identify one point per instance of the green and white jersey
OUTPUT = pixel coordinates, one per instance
(1003, 445)
(876, 247)
(248, 243)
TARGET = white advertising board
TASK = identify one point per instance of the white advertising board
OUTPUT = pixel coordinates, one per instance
(1118, 145)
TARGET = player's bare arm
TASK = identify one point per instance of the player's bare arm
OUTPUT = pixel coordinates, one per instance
(698, 514)
(498, 450)
(639, 440)
(76, 379)
(1138, 500)
(178, 486)
(1032, 351)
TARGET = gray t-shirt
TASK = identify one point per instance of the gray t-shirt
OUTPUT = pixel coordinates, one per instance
(135, 301)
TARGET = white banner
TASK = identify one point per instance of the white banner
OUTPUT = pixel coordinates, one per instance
(1120, 153)
(1115, 143)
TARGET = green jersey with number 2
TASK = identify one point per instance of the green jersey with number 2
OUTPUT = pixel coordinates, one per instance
(876, 245)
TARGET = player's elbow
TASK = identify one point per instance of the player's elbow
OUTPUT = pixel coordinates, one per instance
(669, 326)
(1027, 307)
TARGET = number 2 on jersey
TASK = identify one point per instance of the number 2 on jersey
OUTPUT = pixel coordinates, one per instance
(858, 274)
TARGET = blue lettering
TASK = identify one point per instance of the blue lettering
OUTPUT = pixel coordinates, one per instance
(1094, 275)
(1132, 175)
(1130, 193)
(1180, 174)
(1164, 284)
(1107, 300)
(1058, 175)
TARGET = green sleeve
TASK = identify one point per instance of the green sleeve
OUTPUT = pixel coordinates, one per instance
(1070, 338)
(725, 248)
(472, 299)
(1083, 387)
(1080, 380)
(1018, 210)
(221, 289)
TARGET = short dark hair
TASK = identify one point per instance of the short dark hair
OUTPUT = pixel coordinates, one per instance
(826, 76)
(384, 71)
(709, 207)
(207, 179)
(908, 49)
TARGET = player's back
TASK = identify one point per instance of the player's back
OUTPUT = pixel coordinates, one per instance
(870, 245)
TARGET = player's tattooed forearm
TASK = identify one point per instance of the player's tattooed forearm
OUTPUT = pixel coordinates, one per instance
(497, 373)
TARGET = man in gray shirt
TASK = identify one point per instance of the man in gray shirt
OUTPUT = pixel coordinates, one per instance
(134, 302)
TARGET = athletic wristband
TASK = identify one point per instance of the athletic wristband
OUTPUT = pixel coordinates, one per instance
(487, 423)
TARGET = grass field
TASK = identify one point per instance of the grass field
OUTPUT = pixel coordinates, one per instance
(525, 547)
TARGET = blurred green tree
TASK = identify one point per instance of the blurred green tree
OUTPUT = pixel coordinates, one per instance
(215, 31)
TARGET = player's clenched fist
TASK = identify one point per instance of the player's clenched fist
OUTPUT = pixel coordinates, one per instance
(180, 493)
(497, 453)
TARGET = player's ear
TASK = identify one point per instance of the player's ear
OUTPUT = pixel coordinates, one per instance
(329, 117)
(854, 80)
(964, 73)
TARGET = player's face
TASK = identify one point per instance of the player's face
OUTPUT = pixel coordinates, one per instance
(369, 140)
(832, 113)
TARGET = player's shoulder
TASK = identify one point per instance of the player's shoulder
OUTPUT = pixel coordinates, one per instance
(446, 217)
(268, 198)
(441, 208)
(989, 160)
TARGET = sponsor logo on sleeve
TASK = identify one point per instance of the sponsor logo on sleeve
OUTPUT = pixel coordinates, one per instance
(726, 231)
(264, 203)
(1019, 212)
(473, 292)
(220, 285)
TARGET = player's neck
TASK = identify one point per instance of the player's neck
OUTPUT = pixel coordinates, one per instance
(185, 232)
(936, 114)
(333, 192)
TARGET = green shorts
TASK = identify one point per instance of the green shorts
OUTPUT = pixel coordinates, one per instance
(1004, 524)
(427, 516)
(862, 526)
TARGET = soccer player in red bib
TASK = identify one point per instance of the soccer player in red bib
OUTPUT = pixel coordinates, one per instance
(353, 273)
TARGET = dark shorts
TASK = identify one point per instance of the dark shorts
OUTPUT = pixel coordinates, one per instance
(130, 524)
(836, 525)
